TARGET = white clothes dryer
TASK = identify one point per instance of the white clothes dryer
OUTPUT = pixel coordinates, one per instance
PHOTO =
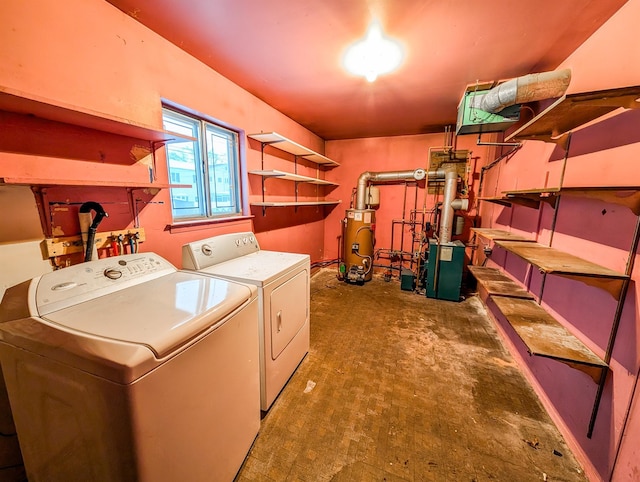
(126, 369)
(282, 280)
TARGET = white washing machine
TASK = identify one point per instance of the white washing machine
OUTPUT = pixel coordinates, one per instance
(283, 295)
(126, 369)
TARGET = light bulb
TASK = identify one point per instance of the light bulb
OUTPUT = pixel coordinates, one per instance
(375, 55)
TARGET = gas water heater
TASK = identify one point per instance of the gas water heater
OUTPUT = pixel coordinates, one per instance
(359, 238)
(360, 225)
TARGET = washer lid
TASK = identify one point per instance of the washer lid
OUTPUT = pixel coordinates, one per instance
(161, 314)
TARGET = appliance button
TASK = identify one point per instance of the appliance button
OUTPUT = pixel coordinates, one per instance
(64, 286)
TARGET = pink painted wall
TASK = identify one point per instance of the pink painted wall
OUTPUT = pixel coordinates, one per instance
(602, 154)
(99, 59)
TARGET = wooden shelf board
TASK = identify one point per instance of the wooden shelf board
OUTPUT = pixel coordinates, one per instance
(544, 336)
(287, 145)
(292, 177)
(499, 235)
(496, 282)
(497, 200)
(19, 181)
(627, 196)
(294, 203)
(574, 110)
(551, 260)
(18, 102)
(509, 201)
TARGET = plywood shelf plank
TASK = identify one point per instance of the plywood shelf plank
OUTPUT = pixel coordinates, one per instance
(275, 204)
(553, 261)
(574, 110)
(87, 183)
(496, 282)
(544, 336)
(18, 102)
(287, 145)
(292, 177)
(627, 196)
(499, 235)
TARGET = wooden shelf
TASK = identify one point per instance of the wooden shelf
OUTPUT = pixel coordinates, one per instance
(544, 336)
(497, 283)
(18, 102)
(510, 201)
(574, 110)
(552, 261)
(292, 177)
(18, 181)
(499, 235)
(280, 142)
(627, 196)
(294, 203)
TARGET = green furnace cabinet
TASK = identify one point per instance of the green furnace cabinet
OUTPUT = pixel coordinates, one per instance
(444, 282)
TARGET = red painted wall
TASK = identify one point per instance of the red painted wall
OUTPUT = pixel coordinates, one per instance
(603, 154)
(102, 60)
(99, 59)
(384, 154)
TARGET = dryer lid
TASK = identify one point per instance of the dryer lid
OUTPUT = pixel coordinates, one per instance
(260, 268)
(162, 314)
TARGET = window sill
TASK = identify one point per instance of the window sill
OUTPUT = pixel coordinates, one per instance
(181, 226)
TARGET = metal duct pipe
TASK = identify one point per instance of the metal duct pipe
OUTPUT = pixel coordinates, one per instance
(446, 221)
(529, 88)
(367, 177)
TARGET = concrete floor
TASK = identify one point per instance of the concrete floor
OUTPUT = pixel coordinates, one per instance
(406, 389)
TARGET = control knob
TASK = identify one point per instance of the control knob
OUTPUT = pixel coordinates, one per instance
(113, 273)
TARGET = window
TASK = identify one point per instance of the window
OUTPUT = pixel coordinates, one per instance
(212, 161)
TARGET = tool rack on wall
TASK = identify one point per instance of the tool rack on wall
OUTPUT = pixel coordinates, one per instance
(542, 334)
(298, 151)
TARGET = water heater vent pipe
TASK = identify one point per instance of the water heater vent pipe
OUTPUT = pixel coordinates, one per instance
(450, 189)
(390, 176)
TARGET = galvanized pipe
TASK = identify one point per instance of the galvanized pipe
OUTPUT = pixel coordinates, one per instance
(367, 177)
(446, 221)
(528, 88)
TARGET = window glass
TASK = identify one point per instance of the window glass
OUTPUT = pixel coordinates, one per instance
(211, 162)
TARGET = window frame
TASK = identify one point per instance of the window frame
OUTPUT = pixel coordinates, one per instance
(241, 184)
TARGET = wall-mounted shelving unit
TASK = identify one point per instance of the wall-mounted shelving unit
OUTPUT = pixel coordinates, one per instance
(292, 177)
(35, 182)
(552, 261)
(541, 334)
(298, 151)
(287, 145)
(33, 124)
(18, 102)
(628, 196)
(498, 234)
(572, 111)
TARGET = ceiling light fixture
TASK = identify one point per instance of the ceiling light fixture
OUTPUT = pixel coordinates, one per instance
(374, 55)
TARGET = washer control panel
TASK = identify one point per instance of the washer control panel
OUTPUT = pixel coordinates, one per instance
(68, 286)
(207, 252)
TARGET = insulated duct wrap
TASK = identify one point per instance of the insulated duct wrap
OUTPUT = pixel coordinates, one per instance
(528, 88)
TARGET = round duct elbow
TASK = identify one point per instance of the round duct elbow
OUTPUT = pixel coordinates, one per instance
(528, 88)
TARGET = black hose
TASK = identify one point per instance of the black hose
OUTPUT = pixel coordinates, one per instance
(100, 215)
